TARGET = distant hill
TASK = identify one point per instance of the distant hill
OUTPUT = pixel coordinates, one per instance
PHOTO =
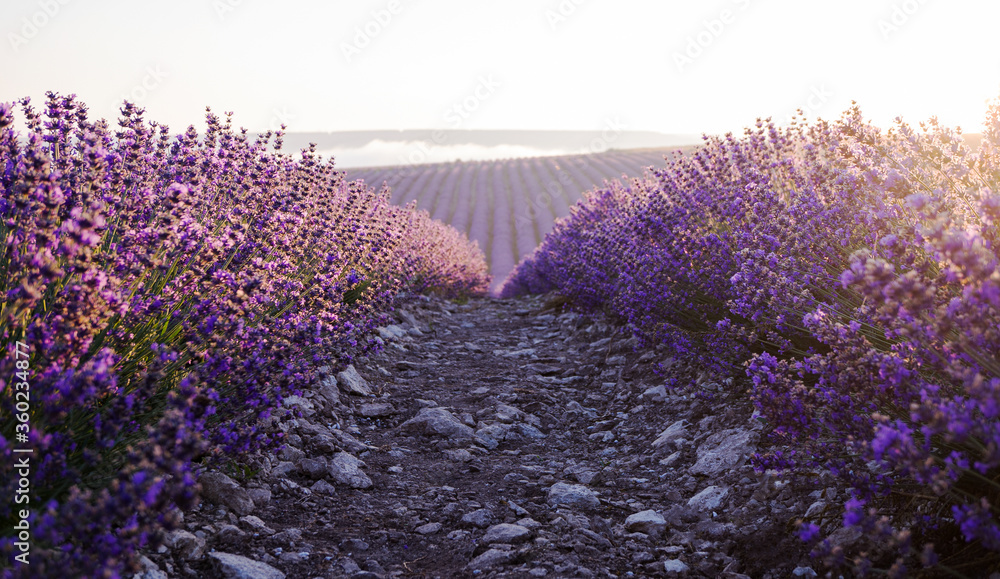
(576, 141)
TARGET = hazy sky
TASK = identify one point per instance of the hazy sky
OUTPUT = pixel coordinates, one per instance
(669, 66)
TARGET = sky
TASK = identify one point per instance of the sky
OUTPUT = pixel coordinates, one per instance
(668, 66)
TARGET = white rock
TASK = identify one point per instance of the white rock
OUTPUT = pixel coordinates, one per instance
(391, 332)
(428, 529)
(149, 570)
(655, 394)
(815, 509)
(572, 495)
(491, 558)
(256, 525)
(327, 388)
(649, 522)
(353, 383)
(506, 533)
(478, 518)
(529, 523)
(675, 566)
(185, 544)
(673, 432)
(507, 413)
(377, 410)
(222, 490)
(346, 469)
(306, 406)
(323, 488)
(670, 460)
(458, 455)
(437, 421)
(232, 566)
(709, 499)
(724, 450)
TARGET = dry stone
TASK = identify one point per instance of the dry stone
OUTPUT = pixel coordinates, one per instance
(506, 533)
(573, 496)
(491, 558)
(353, 383)
(478, 518)
(428, 528)
(327, 389)
(346, 469)
(221, 489)
(149, 570)
(306, 406)
(709, 499)
(231, 566)
(437, 421)
(655, 394)
(723, 451)
(391, 332)
(185, 544)
(348, 442)
(649, 522)
(377, 410)
(674, 432)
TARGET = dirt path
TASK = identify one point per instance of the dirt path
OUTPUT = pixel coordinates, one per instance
(501, 440)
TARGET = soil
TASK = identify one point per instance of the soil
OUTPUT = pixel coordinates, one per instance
(546, 423)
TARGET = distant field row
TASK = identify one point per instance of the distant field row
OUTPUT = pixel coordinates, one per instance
(506, 205)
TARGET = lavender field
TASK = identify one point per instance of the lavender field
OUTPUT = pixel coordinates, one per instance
(507, 206)
(162, 295)
(184, 314)
(852, 274)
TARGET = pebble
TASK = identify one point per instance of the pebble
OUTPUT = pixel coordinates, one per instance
(221, 489)
(231, 566)
(649, 522)
(346, 469)
(428, 528)
(532, 422)
(708, 499)
(572, 495)
(506, 533)
(478, 518)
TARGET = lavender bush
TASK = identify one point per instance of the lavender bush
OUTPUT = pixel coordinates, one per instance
(171, 290)
(854, 275)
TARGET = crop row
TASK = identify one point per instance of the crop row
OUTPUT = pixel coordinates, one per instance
(853, 276)
(161, 295)
(507, 206)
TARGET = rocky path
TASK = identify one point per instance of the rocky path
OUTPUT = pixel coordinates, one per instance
(501, 439)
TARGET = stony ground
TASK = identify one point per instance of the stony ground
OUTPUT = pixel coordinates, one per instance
(503, 438)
